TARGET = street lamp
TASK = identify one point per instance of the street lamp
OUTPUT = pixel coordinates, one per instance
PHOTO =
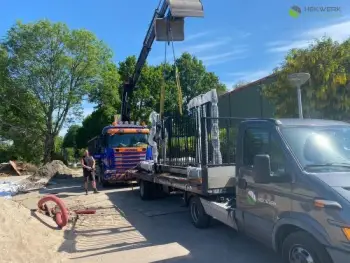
(297, 80)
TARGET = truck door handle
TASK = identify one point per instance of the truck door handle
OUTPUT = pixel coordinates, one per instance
(242, 183)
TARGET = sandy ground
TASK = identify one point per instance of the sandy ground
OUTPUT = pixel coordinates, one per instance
(129, 230)
(24, 238)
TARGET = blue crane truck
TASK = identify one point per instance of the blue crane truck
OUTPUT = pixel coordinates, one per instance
(118, 149)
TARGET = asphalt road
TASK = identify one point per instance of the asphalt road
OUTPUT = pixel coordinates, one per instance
(165, 221)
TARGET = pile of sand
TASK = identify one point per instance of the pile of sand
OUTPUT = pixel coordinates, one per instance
(55, 168)
(24, 238)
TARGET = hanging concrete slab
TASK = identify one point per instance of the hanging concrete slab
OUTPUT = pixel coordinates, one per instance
(186, 8)
(169, 29)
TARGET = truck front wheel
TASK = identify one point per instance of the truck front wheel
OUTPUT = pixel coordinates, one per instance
(302, 247)
(199, 218)
(101, 180)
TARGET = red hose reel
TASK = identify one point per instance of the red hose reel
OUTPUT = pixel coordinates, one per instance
(60, 212)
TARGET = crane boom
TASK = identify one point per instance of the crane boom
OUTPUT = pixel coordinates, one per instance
(148, 42)
(129, 87)
(177, 9)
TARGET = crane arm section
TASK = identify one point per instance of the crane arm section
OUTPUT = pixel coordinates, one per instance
(148, 42)
(146, 48)
(177, 9)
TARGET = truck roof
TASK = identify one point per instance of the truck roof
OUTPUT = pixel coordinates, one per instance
(308, 122)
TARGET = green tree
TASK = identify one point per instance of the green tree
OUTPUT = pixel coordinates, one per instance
(147, 91)
(92, 126)
(195, 79)
(20, 121)
(106, 96)
(327, 94)
(106, 93)
(58, 144)
(69, 140)
(57, 67)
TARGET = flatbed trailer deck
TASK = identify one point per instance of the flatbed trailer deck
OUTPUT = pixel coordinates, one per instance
(214, 181)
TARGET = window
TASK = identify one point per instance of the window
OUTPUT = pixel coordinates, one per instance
(260, 141)
(277, 160)
(127, 140)
(255, 142)
(316, 147)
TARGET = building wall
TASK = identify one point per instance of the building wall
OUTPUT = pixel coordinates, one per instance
(247, 101)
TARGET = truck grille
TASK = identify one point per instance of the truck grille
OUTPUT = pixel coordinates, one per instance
(128, 158)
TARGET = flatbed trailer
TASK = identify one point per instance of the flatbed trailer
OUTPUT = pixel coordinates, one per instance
(195, 161)
(215, 181)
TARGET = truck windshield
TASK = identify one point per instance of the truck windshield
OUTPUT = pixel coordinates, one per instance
(320, 148)
(127, 140)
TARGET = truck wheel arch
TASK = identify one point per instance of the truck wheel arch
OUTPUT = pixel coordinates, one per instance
(287, 225)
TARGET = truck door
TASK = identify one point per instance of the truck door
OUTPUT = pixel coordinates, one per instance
(261, 204)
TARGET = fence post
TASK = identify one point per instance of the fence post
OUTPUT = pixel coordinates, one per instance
(204, 142)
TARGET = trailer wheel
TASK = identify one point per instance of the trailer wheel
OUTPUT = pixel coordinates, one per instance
(146, 190)
(199, 218)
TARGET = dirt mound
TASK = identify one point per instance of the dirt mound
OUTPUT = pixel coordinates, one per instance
(26, 168)
(55, 169)
(14, 168)
(24, 238)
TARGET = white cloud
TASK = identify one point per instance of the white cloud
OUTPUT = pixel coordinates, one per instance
(211, 52)
(219, 58)
(196, 36)
(246, 77)
(245, 35)
(290, 45)
(206, 46)
(251, 76)
(277, 43)
(337, 31)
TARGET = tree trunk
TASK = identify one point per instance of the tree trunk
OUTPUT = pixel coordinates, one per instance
(48, 147)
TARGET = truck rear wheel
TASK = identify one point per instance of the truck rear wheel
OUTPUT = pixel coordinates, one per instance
(146, 190)
(302, 247)
(199, 218)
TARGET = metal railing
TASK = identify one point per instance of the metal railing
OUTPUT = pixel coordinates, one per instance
(224, 143)
(182, 141)
(193, 141)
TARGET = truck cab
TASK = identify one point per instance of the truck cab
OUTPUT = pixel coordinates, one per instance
(118, 149)
(293, 187)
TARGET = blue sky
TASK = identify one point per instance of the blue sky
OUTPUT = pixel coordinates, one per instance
(238, 40)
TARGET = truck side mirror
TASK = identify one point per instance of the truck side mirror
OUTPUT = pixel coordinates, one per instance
(262, 169)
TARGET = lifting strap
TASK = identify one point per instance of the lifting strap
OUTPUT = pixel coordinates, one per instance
(177, 76)
(162, 86)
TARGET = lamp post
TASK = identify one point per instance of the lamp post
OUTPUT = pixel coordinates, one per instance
(297, 80)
